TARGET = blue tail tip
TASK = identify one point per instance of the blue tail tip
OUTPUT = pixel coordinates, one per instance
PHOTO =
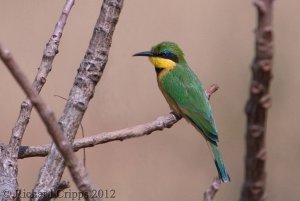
(225, 179)
(223, 175)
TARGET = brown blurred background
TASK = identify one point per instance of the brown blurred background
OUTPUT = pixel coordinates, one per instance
(217, 38)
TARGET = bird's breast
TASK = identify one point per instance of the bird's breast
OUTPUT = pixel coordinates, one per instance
(173, 105)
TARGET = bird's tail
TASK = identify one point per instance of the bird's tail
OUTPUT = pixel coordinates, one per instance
(223, 175)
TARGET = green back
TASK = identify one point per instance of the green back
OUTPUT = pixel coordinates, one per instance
(186, 91)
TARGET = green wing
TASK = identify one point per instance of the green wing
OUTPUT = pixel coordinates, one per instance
(186, 91)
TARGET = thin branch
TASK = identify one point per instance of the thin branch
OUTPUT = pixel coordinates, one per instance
(210, 193)
(44, 69)
(84, 152)
(254, 187)
(212, 89)
(136, 131)
(89, 74)
(75, 166)
(26, 107)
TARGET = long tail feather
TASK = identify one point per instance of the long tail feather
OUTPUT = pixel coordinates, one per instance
(223, 175)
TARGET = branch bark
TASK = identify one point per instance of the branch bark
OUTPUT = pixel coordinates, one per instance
(160, 123)
(75, 166)
(8, 175)
(212, 190)
(54, 193)
(89, 73)
(119, 135)
(254, 187)
(26, 107)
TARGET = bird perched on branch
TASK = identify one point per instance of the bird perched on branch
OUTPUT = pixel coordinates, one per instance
(185, 95)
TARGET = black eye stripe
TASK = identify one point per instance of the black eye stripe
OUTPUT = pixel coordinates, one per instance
(169, 55)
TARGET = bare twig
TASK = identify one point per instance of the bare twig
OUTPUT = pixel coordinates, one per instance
(254, 187)
(26, 107)
(44, 69)
(137, 131)
(210, 193)
(84, 153)
(75, 166)
(212, 89)
(89, 73)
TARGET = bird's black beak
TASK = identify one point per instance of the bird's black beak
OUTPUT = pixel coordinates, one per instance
(146, 54)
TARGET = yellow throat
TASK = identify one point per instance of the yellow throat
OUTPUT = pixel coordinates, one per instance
(166, 64)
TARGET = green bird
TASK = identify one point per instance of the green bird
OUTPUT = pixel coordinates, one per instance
(185, 94)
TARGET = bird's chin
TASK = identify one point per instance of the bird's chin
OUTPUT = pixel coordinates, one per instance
(162, 62)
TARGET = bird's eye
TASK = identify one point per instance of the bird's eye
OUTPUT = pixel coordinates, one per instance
(167, 54)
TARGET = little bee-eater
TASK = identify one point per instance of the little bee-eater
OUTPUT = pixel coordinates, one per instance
(185, 95)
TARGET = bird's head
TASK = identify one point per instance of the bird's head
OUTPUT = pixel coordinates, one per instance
(164, 55)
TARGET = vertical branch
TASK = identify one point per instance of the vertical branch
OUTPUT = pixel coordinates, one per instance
(9, 162)
(89, 73)
(254, 187)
